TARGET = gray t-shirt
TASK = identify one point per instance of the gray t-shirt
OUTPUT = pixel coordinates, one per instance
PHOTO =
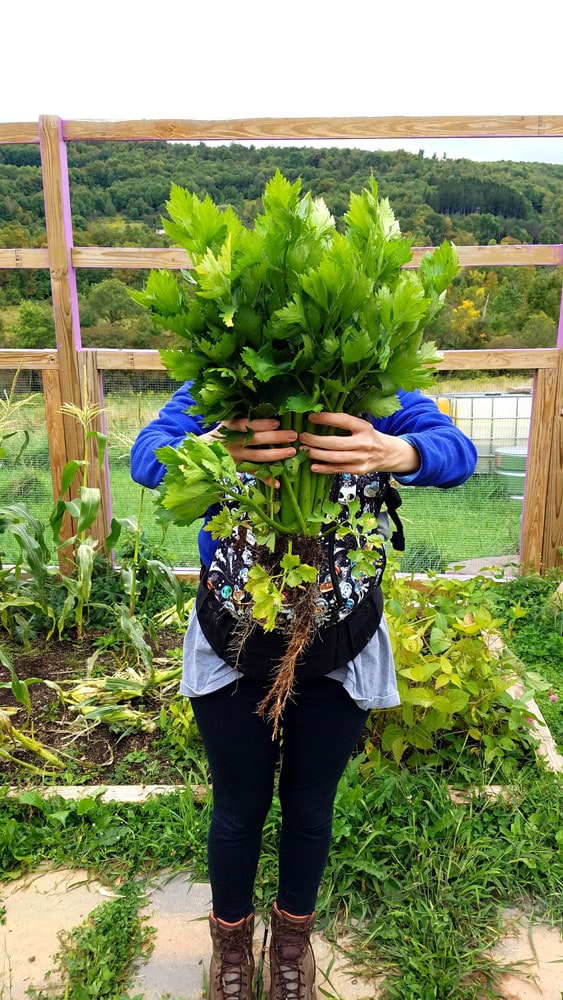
(369, 679)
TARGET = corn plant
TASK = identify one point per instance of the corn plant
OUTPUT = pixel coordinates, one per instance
(14, 740)
(16, 607)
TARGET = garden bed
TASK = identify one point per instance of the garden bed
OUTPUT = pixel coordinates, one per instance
(92, 753)
(146, 735)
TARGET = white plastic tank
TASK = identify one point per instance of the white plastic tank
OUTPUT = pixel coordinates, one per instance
(510, 470)
(492, 420)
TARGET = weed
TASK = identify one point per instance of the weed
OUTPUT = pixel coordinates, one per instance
(424, 881)
(95, 958)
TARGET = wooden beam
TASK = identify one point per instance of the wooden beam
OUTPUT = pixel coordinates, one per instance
(172, 258)
(131, 361)
(18, 132)
(318, 128)
(30, 359)
(509, 360)
(138, 360)
(63, 278)
(24, 257)
(175, 258)
(514, 360)
(515, 255)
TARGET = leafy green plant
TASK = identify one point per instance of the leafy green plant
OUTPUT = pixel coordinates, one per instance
(83, 510)
(533, 628)
(20, 604)
(454, 685)
(291, 318)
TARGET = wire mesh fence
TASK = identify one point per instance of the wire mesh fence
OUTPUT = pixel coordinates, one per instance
(478, 520)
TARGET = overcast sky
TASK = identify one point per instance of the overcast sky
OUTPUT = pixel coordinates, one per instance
(115, 59)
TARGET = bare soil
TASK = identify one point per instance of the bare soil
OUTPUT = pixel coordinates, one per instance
(103, 753)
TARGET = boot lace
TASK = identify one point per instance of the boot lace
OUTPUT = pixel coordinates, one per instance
(232, 973)
(290, 951)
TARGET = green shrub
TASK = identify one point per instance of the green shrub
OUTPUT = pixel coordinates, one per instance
(455, 706)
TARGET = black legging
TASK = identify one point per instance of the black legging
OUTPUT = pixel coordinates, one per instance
(321, 726)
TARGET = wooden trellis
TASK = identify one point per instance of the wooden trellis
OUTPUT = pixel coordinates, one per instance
(69, 370)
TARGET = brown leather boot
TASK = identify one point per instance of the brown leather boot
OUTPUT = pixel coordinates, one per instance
(292, 963)
(232, 962)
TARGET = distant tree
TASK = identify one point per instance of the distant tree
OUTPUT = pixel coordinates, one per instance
(463, 238)
(505, 308)
(544, 294)
(110, 301)
(539, 330)
(467, 326)
(35, 327)
(548, 234)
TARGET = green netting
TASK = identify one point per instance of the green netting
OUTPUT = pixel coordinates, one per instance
(131, 400)
(25, 473)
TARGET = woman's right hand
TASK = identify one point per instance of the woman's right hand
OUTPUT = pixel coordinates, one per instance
(266, 442)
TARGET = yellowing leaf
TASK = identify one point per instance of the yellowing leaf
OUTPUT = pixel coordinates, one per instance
(441, 681)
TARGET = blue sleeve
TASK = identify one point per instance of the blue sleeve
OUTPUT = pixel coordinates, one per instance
(169, 428)
(447, 456)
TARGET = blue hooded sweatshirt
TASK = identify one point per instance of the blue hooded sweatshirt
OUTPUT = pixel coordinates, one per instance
(447, 456)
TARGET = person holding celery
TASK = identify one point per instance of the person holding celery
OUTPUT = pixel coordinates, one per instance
(345, 673)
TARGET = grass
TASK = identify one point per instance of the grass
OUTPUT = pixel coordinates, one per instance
(535, 635)
(467, 522)
(422, 882)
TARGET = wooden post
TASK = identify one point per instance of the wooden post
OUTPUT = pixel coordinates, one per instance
(552, 550)
(63, 279)
(56, 439)
(538, 470)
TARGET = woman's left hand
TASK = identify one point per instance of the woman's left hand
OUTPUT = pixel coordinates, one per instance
(359, 450)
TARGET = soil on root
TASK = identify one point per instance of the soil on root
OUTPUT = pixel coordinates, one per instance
(300, 601)
(101, 754)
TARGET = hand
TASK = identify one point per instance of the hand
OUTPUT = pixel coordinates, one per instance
(267, 444)
(361, 449)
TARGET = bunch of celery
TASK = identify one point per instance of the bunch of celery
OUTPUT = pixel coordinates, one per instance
(284, 319)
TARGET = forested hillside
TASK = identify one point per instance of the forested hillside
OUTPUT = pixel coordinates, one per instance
(119, 190)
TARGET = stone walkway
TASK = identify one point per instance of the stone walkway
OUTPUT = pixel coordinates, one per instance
(39, 906)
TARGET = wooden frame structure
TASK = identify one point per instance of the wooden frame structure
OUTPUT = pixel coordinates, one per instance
(70, 371)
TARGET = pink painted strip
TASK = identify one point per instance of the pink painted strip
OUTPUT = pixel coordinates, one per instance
(560, 330)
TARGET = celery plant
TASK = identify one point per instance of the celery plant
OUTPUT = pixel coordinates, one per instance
(286, 319)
